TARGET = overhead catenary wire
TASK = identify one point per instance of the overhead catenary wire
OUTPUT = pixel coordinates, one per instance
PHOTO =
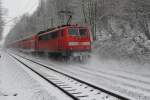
(10, 20)
(17, 17)
(10, 23)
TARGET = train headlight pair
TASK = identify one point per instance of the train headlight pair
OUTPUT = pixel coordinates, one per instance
(73, 43)
(78, 43)
(85, 43)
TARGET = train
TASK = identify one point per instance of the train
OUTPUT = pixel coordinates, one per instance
(67, 41)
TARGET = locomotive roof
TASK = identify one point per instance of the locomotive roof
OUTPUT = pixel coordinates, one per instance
(56, 28)
(50, 29)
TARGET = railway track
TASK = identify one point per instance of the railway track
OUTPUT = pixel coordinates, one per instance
(75, 88)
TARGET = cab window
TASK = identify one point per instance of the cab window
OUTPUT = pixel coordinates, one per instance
(73, 31)
(83, 32)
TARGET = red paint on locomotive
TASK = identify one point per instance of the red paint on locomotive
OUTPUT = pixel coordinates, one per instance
(64, 39)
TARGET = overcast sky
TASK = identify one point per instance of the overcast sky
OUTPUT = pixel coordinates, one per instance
(17, 8)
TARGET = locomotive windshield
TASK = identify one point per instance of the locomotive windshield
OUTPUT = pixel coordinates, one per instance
(83, 32)
(73, 31)
(78, 31)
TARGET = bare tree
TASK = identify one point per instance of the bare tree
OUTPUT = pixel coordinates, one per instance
(1, 21)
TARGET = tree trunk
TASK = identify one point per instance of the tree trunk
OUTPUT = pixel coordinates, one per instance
(147, 33)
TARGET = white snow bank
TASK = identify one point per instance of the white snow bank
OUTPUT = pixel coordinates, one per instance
(123, 65)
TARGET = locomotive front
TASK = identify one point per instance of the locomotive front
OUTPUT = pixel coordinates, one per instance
(78, 41)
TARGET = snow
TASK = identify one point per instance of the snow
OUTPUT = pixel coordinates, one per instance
(120, 65)
(19, 83)
(92, 95)
(124, 77)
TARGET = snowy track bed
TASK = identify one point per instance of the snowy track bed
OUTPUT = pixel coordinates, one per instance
(71, 86)
(16, 83)
(134, 85)
(131, 84)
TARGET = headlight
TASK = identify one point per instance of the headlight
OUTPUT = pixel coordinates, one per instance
(73, 43)
(85, 43)
(78, 43)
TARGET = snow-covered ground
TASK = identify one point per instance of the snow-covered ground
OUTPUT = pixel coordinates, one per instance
(78, 88)
(19, 83)
(125, 77)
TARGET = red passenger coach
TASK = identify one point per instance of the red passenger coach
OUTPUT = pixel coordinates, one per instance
(28, 44)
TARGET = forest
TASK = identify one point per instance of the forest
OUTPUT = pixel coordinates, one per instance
(120, 28)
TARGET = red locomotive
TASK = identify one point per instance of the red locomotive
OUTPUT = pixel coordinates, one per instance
(66, 41)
